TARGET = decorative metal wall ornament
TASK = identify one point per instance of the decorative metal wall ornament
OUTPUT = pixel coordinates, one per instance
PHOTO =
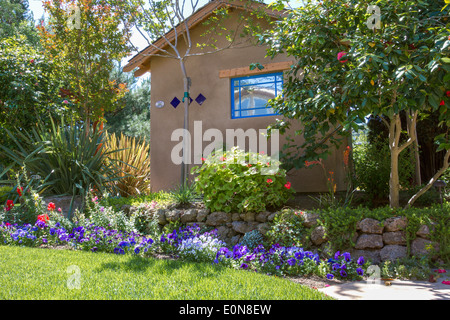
(159, 104)
(175, 102)
(200, 99)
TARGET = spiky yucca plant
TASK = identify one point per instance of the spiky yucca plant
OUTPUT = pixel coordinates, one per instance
(72, 158)
(133, 157)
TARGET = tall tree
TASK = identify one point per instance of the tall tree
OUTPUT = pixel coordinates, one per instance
(355, 59)
(85, 37)
(166, 26)
(15, 19)
(132, 118)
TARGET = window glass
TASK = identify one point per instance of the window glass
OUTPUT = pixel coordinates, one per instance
(251, 94)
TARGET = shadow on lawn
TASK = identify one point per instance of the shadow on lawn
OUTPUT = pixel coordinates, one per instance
(162, 266)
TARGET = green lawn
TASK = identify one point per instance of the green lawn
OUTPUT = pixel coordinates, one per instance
(31, 273)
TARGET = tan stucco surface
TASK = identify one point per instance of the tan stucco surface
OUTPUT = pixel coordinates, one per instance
(215, 112)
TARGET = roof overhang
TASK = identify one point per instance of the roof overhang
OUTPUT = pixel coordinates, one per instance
(142, 59)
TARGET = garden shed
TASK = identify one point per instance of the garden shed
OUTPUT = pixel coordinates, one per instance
(225, 94)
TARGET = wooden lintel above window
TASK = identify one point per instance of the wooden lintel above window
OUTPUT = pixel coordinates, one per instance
(245, 71)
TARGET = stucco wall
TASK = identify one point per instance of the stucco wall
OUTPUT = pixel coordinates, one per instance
(215, 112)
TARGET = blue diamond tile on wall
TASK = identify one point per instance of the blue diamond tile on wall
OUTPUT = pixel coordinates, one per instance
(175, 102)
(200, 99)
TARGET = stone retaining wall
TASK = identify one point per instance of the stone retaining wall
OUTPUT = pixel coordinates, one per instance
(376, 240)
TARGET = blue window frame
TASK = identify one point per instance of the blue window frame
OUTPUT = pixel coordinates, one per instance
(249, 95)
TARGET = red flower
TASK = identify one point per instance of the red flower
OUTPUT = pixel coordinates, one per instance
(43, 217)
(51, 206)
(32, 61)
(340, 55)
(7, 224)
(440, 271)
(448, 93)
(269, 180)
(446, 282)
(203, 159)
(287, 185)
(442, 103)
(10, 204)
(19, 191)
(223, 158)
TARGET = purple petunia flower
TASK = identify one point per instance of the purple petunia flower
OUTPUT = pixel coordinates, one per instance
(337, 255)
(291, 262)
(346, 256)
(360, 261)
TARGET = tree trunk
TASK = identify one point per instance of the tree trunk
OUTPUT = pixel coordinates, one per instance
(395, 130)
(394, 182)
(186, 86)
(411, 124)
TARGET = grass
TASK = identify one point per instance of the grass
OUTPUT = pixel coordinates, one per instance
(36, 273)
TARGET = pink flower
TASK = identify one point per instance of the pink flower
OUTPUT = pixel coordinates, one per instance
(287, 185)
(223, 158)
(440, 271)
(446, 282)
(59, 210)
(340, 55)
(32, 61)
(203, 159)
(66, 102)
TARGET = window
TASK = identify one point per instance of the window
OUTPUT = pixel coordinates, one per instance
(249, 95)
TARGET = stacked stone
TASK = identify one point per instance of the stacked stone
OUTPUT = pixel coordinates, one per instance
(381, 241)
(376, 240)
(231, 227)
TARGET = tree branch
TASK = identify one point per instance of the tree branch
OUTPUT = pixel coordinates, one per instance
(431, 182)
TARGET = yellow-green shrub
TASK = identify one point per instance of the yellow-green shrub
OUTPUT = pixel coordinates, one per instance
(133, 159)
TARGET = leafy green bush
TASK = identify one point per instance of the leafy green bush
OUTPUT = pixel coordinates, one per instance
(241, 181)
(29, 88)
(373, 168)
(407, 268)
(287, 229)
